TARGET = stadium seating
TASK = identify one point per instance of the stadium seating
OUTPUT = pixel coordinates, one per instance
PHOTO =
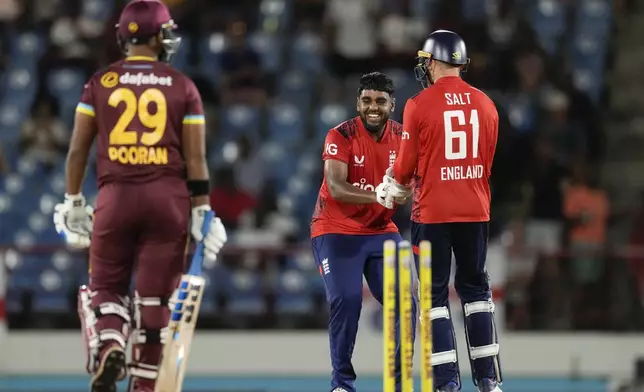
(288, 133)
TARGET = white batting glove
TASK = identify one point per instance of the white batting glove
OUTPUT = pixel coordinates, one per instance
(397, 190)
(388, 178)
(216, 237)
(383, 197)
(74, 220)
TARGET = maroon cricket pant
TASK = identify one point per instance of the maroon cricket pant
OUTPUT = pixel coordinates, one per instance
(141, 230)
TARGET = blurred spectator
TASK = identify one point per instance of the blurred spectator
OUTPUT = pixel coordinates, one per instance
(332, 92)
(543, 230)
(502, 24)
(586, 116)
(309, 10)
(4, 166)
(41, 13)
(586, 209)
(43, 137)
(529, 68)
(566, 137)
(267, 207)
(636, 241)
(70, 38)
(228, 199)
(249, 167)
(545, 126)
(400, 35)
(351, 35)
(241, 65)
(550, 304)
(9, 10)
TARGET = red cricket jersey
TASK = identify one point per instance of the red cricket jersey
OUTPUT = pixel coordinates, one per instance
(140, 105)
(368, 160)
(448, 145)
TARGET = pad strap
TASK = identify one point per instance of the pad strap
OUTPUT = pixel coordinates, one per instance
(478, 307)
(438, 313)
(485, 351)
(444, 357)
(112, 308)
(111, 334)
(489, 350)
(89, 317)
(143, 370)
(149, 336)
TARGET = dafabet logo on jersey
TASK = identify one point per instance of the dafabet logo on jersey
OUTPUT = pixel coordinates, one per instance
(109, 80)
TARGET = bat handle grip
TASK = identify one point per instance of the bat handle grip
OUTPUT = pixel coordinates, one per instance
(208, 216)
(197, 258)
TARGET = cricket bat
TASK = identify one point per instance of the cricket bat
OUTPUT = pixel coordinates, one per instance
(183, 320)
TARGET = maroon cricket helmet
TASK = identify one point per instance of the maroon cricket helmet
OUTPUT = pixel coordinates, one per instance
(143, 19)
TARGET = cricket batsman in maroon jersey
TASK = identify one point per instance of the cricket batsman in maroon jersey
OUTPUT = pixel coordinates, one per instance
(149, 124)
(450, 135)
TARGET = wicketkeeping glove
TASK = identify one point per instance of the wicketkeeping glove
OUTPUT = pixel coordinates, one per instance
(216, 237)
(74, 220)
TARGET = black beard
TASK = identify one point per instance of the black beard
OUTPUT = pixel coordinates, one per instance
(374, 129)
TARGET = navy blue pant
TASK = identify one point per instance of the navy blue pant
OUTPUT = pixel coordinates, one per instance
(343, 259)
(468, 242)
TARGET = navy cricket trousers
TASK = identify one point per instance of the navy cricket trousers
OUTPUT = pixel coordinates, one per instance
(343, 260)
(468, 242)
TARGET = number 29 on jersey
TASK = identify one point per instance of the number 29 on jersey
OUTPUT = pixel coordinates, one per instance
(125, 145)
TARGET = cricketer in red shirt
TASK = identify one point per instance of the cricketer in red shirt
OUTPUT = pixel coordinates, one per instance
(448, 151)
(366, 160)
(450, 131)
(349, 227)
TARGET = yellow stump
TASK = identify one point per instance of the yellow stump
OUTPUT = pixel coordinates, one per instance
(389, 316)
(400, 257)
(405, 260)
(425, 276)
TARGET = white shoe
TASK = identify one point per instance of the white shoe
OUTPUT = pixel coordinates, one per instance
(487, 385)
(496, 389)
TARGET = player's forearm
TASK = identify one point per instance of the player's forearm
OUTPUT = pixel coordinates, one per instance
(75, 170)
(197, 170)
(200, 200)
(405, 165)
(347, 193)
(407, 160)
(403, 172)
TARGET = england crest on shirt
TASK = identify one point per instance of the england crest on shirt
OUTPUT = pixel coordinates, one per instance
(392, 157)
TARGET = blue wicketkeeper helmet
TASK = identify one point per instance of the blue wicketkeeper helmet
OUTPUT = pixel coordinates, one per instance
(442, 45)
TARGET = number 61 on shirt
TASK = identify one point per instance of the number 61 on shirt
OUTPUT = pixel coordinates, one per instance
(450, 134)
